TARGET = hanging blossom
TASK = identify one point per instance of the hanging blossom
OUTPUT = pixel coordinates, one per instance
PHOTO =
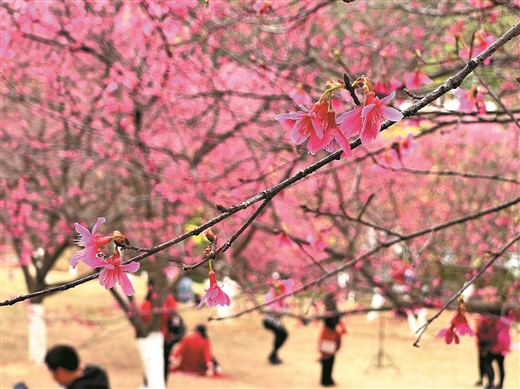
(214, 295)
(91, 241)
(458, 326)
(279, 288)
(113, 272)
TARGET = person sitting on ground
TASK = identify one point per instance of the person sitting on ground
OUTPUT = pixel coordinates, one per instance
(193, 354)
(63, 364)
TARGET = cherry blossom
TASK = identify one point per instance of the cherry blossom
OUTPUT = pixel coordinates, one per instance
(306, 123)
(374, 113)
(299, 96)
(368, 117)
(458, 326)
(280, 287)
(332, 140)
(417, 78)
(350, 122)
(91, 241)
(470, 99)
(214, 295)
(113, 272)
(284, 240)
(406, 146)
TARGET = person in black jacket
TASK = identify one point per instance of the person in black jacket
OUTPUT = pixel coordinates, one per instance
(63, 364)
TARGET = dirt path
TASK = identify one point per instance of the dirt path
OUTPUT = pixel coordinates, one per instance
(242, 346)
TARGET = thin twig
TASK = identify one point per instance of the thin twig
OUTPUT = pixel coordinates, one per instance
(452, 83)
(423, 328)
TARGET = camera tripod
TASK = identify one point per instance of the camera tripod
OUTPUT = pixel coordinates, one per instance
(378, 360)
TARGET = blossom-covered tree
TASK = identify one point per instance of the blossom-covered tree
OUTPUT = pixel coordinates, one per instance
(162, 117)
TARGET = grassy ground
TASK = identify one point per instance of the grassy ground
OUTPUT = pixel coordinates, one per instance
(241, 346)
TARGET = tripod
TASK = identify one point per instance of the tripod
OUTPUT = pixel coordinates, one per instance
(378, 360)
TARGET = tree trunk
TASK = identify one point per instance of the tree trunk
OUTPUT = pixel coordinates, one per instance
(37, 333)
(151, 350)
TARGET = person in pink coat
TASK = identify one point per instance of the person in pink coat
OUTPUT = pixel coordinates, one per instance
(500, 347)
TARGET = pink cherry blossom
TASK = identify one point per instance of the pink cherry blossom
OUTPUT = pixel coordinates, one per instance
(407, 145)
(389, 159)
(332, 140)
(387, 86)
(113, 272)
(417, 78)
(458, 326)
(279, 288)
(449, 335)
(262, 6)
(350, 122)
(470, 99)
(284, 240)
(374, 114)
(316, 242)
(214, 295)
(299, 96)
(306, 123)
(91, 243)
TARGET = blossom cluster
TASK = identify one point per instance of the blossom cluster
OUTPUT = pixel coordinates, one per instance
(458, 326)
(324, 130)
(112, 271)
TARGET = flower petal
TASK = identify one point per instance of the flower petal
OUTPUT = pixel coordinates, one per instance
(100, 220)
(78, 257)
(131, 267)
(388, 98)
(366, 109)
(125, 283)
(85, 234)
(392, 114)
(345, 146)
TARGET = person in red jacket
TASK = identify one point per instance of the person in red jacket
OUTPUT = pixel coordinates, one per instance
(168, 314)
(193, 354)
(330, 340)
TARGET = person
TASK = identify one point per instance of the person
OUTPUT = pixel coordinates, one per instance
(500, 347)
(172, 325)
(273, 316)
(485, 338)
(330, 340)
(494, 340)
(193, 354)
(64, 365)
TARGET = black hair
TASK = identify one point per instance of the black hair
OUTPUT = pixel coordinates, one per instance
(201, 329)
(330, 305)
(62, 356)
(151, 284)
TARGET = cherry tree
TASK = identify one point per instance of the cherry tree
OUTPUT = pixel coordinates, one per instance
(160, 117)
